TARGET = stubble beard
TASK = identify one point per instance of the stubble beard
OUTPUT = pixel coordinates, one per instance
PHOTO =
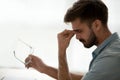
(92, 40)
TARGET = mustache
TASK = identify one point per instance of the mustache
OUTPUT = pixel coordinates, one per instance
(82, 40)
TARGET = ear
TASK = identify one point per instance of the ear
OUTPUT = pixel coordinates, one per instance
(96, 25)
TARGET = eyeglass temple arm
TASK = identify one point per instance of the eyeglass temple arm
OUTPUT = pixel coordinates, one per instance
(21, 60)
(25, 43)
(32, 50)
(17, 58)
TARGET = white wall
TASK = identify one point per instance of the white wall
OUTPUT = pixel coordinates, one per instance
(37, 22)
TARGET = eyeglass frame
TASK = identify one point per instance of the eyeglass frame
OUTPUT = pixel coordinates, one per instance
(31, 52)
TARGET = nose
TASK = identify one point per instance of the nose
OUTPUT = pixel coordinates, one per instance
(78, 36)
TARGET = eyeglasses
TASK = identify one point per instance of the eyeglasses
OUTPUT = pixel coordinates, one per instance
(31, 52)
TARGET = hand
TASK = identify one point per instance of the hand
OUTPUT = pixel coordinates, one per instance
(35, 62)
(64, 38)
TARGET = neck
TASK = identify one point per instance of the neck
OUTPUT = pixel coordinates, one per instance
(103, 36)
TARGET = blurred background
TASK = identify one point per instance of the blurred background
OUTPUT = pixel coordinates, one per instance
(36, 23)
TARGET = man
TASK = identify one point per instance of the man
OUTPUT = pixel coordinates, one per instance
(89, 22)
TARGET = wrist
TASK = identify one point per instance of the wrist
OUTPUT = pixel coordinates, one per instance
(42, 68)
(62, 52)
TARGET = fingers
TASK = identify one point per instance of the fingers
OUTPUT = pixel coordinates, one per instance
(64, 38)
(67, 34)
(28, 61)
(70, 33)
(67, 31)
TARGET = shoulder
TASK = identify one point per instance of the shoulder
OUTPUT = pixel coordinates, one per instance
(107, 64)
(112, 49)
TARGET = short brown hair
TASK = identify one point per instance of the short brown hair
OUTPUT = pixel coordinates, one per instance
(87, 10)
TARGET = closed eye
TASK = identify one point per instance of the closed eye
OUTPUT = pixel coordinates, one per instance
(77, 31)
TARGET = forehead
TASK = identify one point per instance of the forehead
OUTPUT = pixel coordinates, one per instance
(78, 24)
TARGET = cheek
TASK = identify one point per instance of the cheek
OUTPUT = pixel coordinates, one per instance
(86, 36)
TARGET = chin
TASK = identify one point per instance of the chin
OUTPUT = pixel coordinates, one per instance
(88, 46)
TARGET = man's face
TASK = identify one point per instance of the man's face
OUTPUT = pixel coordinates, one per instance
(84, 33)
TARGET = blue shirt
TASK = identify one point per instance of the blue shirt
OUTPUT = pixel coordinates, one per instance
(105, 64)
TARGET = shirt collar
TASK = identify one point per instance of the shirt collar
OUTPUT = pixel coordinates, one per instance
(104, 44)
